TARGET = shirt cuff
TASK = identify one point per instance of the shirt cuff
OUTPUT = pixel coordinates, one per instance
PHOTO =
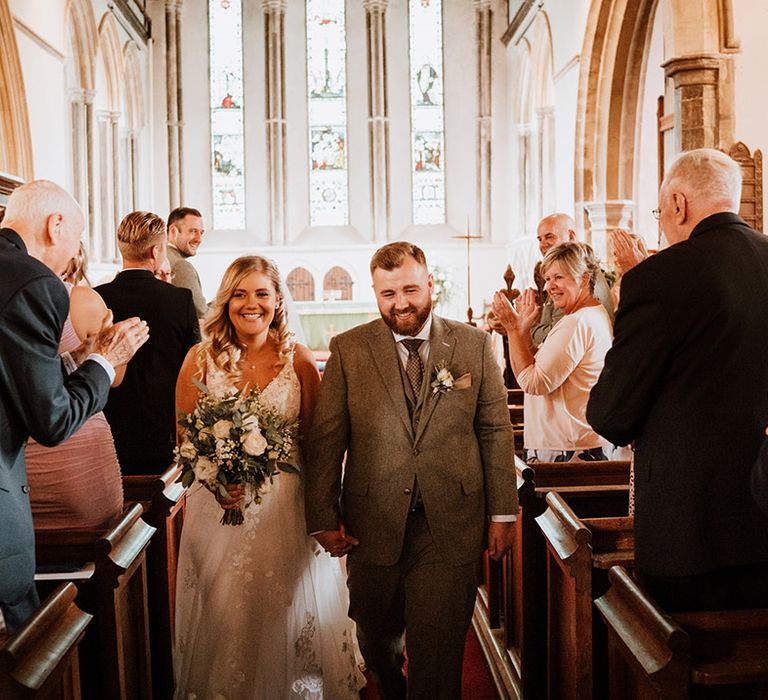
(69, 363)
(108, 368)
(503, 518)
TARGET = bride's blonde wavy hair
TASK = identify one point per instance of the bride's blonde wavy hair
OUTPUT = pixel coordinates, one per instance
(221, 341)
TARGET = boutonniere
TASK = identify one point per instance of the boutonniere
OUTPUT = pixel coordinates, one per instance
(442, 379)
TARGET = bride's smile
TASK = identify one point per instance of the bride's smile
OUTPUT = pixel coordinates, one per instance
(252, 305)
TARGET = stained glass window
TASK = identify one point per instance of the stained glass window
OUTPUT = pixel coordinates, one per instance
(427, 133)
(227, 152)
(327, 100)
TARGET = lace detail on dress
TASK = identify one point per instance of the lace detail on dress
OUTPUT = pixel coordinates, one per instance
(261, 610)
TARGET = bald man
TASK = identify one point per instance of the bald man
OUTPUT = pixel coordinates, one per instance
(40, 235)
(551, 231)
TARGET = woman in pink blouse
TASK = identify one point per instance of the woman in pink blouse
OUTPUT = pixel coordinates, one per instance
(558, 377)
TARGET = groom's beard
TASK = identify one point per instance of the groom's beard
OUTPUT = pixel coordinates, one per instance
(412, 325)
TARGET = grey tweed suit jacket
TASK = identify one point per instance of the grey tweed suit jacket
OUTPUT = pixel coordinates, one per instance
(461, 450)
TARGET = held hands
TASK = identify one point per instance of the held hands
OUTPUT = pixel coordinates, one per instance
(500, 539)
(117, 343)
(336, 542)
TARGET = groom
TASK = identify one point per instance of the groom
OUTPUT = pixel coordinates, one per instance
(429, 473)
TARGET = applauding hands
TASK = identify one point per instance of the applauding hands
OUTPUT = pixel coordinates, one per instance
(519, 318)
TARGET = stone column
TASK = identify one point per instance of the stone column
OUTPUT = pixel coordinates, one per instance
(545, 124)
(274, 47)
(173, 99)
(109, 189)
(484, 21)
(81, 108)
(603, 217)
(378, 116)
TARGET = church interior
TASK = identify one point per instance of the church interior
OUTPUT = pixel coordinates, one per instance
(313, 132)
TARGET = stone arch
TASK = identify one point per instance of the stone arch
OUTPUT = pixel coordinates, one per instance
(110, 57)
(611, 82)
(15, 137)
(133, 91)
(83, 41)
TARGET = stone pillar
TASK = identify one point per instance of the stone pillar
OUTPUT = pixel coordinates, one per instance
(274, 47)
(702, 99)
(173, 99)
(378, 117)
(484, 21)
(109, 180)
(545, 125)
(179, 107)
(603, 217)
(81, 108)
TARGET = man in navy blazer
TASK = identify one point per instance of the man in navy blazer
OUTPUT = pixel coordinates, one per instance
(142, 410)
(687, 381)
(40, 235)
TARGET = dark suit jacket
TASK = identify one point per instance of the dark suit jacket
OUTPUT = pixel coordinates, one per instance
(141, 411)
(36, 398)
(687, 380)
(462, 449)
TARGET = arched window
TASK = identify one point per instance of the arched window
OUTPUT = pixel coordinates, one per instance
(427, 124)
(337, 285)
(227, 149)
(301, 284)
(327, 105)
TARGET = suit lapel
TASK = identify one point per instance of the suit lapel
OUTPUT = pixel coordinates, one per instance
(442, 344)
(382, 345)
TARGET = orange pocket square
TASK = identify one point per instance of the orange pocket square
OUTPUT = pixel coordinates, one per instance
(463, 382)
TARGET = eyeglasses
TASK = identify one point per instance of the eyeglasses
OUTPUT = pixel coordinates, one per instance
(656, 213)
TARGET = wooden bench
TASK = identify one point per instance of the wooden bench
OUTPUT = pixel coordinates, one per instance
(510, 615)
(579, 554)
(40, 660)
(109, 570)
(164, 506)
(516, 413)
(652, 654)
(515, 396)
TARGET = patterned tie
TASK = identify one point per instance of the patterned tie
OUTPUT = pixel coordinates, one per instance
(414, 368)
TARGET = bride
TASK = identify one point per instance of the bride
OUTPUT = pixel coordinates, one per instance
(261, 610)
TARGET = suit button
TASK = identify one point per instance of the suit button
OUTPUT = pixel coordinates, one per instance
(415, 451)
(407, 492)
(25, 489)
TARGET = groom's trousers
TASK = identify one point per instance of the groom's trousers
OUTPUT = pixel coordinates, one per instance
(423, 596)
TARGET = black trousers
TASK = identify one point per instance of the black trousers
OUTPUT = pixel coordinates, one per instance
(730, 588)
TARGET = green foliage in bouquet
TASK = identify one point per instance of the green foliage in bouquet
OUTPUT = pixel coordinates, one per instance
(235, 439)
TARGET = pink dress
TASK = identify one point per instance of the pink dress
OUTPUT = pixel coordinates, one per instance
(76, 484)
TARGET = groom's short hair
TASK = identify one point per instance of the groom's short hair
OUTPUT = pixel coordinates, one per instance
(390, 256)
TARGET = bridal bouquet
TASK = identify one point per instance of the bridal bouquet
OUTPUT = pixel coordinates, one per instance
(237, 439)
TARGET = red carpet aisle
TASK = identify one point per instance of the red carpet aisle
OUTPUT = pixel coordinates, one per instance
(477, 683)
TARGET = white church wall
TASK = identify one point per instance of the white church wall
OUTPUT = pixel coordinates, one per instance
(40, 40)
(751, 67)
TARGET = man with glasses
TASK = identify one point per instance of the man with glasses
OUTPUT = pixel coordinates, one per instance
(686, 380)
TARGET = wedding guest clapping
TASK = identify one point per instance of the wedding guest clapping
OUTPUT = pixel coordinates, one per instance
(557, 379)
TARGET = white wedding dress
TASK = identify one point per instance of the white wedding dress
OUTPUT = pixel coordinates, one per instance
(261, 609)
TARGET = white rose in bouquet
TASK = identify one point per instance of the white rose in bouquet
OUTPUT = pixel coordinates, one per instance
(205, 470)
(221, 429)
(445, 377)
(187, 450)
(254, 443)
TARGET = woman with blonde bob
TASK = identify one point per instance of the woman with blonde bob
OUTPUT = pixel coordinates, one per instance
(261, 611)
(557, 379)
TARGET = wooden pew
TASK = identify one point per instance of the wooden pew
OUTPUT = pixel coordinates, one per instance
(515, 396)
(652, 654)
(41, 659)
(516, 413)
(109, 570)
(579, 554)
(510, 614)
(164, 506)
